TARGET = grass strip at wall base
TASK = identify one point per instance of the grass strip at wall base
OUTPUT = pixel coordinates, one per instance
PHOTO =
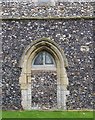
(48, 114)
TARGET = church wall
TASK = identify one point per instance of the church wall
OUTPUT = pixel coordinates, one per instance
(74, 36)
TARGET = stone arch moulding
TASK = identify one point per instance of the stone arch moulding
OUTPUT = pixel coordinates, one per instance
(25, 77)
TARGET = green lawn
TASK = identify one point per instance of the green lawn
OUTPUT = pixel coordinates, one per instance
(47, 114)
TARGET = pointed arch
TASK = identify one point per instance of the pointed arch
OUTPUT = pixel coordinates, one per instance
(25, 78)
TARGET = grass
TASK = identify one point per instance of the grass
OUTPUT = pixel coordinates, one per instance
(47, 114)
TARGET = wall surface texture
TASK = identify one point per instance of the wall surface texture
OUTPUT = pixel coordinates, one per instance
(74, 36)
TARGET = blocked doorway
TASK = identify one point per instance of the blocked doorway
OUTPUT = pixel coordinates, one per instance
(43, 82)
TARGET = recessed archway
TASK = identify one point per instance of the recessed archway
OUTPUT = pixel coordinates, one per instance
(25, 77)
